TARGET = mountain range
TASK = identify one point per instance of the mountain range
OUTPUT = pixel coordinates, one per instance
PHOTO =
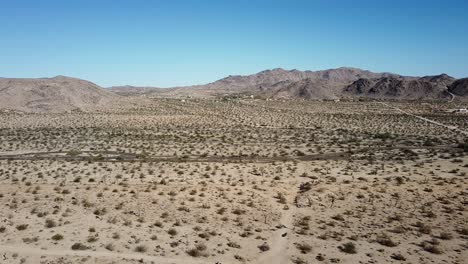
(337, 83)
(62, 94)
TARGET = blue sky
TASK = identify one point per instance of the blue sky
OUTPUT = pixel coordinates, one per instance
(182, 42)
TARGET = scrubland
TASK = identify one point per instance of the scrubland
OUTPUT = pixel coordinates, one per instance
(235, 181)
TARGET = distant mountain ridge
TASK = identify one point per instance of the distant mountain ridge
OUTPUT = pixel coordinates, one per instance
(65, 94)
(344, 82)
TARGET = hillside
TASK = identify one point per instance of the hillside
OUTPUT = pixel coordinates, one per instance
(58, 94)
(459, 87)
(304, 89)
(428, 87)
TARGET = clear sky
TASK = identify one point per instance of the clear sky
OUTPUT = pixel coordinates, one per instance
(182, 42)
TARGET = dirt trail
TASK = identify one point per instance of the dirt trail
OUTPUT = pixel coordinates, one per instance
(278, 253)
(454, 128)
(115, 157)
(452, 95)
(30, 251)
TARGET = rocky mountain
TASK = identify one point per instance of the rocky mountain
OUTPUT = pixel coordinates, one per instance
(278, 83)
(271, 77)
(459, 87)
(269, 80)
(58, 94)
(428, 87)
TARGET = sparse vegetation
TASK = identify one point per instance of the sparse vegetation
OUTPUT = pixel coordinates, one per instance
(175, 180)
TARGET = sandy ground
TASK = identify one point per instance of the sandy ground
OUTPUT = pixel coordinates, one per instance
(207, 181)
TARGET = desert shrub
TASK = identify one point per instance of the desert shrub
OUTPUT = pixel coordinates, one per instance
(21, 227)
(239, 258)
(298, 260)
(304, 247)
(398, 256)
(110, 247)
(446, 235)
(92, 239)
(100, 211)
(50, 223)
(174, 244)
(79, 246)
(463, 231)
(30, 239)
(198, 251)
(385, 240)
(463, 146)
(238, 211)
(264, 247)
(348, 247)
(431, 247)
(423, 228)
(57, 237)
(233, 244)
(398, 230)
(172, 232)
(140, 249)
(338, 217)
(281, 198)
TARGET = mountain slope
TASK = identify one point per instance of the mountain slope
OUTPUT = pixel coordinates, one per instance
(459, 87)
(58, 94)
(304, 89)
(428, 87)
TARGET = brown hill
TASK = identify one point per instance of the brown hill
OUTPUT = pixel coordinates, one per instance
(428, 87)
(58, 94)
(304, 89)
(459, 87)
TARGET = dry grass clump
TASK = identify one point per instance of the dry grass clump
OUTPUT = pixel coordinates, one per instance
(303, 247)
(198, 251)
(385, 240)
(432, 247)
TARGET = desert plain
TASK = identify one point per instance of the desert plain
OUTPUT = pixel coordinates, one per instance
(227, 181)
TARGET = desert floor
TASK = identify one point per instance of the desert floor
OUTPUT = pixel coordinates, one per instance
(236, 181)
